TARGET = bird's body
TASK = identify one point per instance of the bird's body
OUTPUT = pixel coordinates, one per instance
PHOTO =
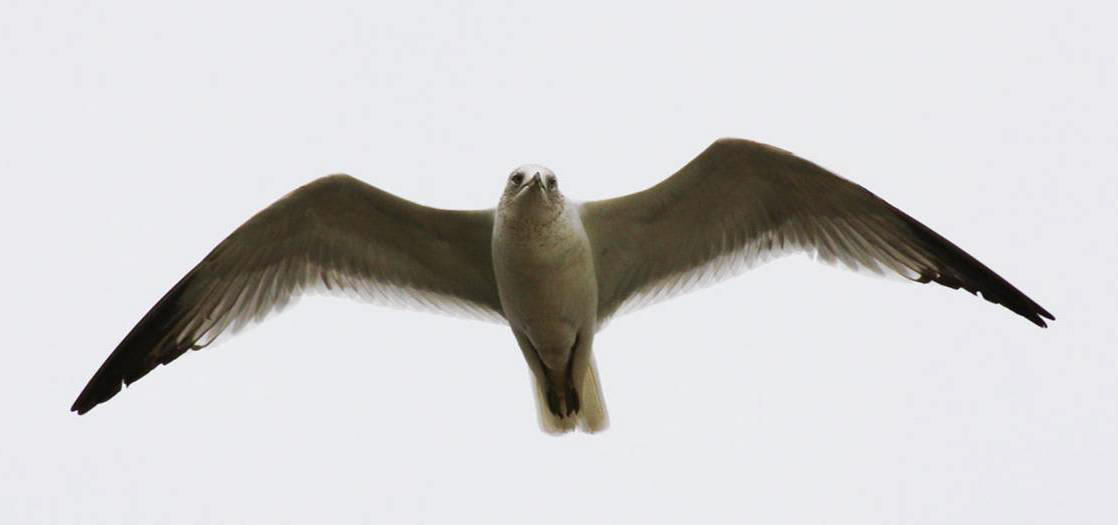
(554, 270)
(544, 267)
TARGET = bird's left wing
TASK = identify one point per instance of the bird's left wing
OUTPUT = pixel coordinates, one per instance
(336, 233)
(741, 202)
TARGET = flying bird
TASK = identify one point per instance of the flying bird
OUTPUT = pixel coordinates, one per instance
(551, 268)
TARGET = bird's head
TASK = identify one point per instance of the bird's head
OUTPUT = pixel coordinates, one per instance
(534, 189)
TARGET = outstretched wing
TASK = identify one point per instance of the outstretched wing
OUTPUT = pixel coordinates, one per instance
(336, 233)
(740, 202)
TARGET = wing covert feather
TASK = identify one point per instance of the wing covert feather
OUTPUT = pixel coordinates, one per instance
(336, 233)
(740, 203)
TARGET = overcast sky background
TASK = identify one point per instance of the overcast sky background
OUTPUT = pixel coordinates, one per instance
(135, 137)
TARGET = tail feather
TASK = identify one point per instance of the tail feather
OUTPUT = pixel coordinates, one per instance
(591, 415)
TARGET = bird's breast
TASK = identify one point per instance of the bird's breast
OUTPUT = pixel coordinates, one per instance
(545, 276)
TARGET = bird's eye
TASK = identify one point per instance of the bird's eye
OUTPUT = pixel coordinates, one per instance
(551, 183)
(517, 178)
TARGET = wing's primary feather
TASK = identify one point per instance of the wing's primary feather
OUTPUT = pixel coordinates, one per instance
(739, 203)
(336, 233)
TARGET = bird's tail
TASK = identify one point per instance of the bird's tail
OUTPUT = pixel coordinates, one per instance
(591, 415)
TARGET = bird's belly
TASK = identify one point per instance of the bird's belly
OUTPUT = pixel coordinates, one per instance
(548, 298)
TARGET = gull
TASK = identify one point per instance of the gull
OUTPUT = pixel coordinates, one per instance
(553, 269)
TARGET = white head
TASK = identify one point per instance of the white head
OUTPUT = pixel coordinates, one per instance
(532, 189)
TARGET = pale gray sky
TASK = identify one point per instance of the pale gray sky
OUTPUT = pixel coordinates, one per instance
(136, 136)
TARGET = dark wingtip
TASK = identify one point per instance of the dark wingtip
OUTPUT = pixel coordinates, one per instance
(1032, 311)
(1028, 309)
(1035, 314)
(962, 270)
(94, 394)
(145, 347)
(1041, 312)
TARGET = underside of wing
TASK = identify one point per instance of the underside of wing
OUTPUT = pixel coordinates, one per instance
(336, 234)
(740, 203)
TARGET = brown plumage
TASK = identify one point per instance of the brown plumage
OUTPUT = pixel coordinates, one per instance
(555, 270)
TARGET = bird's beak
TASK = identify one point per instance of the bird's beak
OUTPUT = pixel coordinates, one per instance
(538, 181)
(535, 182)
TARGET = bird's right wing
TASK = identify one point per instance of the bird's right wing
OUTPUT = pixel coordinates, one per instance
(741, 202)
(336, 233)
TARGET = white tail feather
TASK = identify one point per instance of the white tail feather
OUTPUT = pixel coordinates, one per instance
(591, 417)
